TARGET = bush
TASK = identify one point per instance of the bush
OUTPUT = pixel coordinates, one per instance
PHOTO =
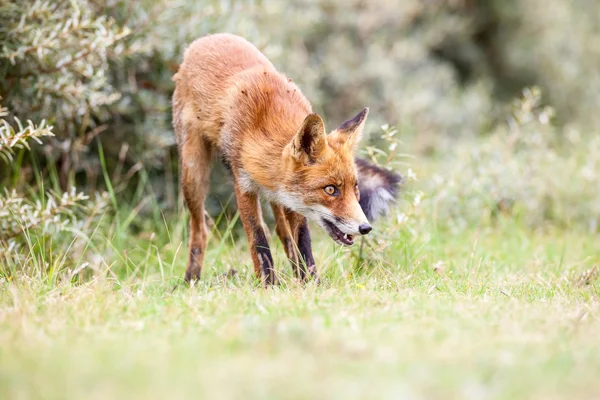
(100, 72)
(28, 222)
(525, 169)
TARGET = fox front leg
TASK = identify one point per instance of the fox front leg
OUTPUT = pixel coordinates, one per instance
(305, 249)
(293, 231)
(251, 216)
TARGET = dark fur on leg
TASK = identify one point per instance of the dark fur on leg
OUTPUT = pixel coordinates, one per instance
(307, 261)
(193, 271)
(378, 188)
(264, 256)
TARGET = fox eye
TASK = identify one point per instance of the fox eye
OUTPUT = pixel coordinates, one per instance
(331, 190)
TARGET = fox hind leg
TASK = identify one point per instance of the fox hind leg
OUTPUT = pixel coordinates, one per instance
(196, 155)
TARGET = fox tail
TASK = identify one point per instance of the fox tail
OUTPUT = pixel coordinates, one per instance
(378, 188)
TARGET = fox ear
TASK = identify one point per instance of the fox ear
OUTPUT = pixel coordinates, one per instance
(310, 140)
(351, 131)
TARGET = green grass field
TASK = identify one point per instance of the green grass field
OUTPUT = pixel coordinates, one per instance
(482, 283)
(501, 311)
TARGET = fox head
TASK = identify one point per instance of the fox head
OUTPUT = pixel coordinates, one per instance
(320, 178)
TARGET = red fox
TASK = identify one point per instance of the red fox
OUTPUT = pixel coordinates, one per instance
(230, 101)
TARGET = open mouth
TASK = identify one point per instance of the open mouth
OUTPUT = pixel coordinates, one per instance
(338, 235)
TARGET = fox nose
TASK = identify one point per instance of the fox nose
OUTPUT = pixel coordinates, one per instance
(365, 228)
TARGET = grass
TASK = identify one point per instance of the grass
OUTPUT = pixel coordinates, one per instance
(500, 311)
(454, 297)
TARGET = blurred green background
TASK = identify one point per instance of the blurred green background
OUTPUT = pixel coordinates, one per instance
(445, 73)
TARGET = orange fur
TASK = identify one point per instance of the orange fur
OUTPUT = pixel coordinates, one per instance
(229, 99)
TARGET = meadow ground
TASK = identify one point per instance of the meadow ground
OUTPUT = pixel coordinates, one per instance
(502, 311)
(482, 283)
